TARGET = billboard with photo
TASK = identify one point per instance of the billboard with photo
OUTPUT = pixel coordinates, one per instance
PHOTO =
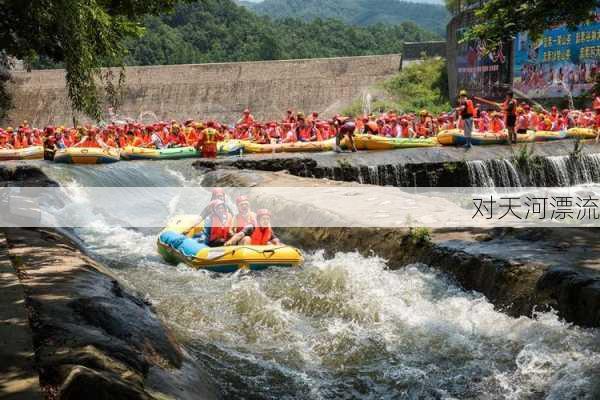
(560, 63)
(482, 73)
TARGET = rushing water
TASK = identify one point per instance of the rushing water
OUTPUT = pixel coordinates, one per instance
(344, 327)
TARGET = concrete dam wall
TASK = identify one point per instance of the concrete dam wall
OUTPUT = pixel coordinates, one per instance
(219, 91)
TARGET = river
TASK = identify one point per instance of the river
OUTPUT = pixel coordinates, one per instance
(340, 328)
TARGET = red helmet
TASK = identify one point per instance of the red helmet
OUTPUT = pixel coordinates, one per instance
(241, 199)
(263, 211)
(217, 192)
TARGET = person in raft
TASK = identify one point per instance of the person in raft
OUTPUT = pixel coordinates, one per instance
(245, 216)
(218, 224)
(90, 138)
(260, 234)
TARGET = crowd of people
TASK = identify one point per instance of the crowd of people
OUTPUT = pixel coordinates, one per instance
(297, 127)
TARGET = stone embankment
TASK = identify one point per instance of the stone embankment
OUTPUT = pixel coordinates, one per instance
(434, 167)
(82, 333)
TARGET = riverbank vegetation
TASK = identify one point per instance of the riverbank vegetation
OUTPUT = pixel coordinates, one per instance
(418, 86)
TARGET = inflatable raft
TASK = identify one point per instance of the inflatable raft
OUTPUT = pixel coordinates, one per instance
(297, 147)
(374, 142)
(230, 148)
(582, 133)
(28, 153)
(456, 137)
(546, 136)
(143, 153)
(175, 247)
(87, 155)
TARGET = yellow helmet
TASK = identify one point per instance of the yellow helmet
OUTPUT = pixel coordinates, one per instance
(423, 113)
(462, 93)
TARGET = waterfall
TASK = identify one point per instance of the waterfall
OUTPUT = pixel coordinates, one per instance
(479, 174)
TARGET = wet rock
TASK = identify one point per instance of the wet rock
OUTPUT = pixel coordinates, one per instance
(85, 383)
(93, 337)
(23, 174)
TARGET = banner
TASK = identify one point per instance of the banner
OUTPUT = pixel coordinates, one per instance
(561, 63)
(481, 72)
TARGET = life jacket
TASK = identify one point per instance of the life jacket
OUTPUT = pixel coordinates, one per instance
(469, 110)
(210, 135)
(20, 143)
(123, 141)
(522, 122)
(304, 134)
(404, 131)
(423, 128)
(89, 142)
(110, 142)
(497, 125)
(261, 236)
(241, 221)
(218, 229)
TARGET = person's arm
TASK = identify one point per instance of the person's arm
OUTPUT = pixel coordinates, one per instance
(101, 143)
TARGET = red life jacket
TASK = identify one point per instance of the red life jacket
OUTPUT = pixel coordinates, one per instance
(218, 230)
(261, 236)
(241, 221)
(89, 142)
(304, 133)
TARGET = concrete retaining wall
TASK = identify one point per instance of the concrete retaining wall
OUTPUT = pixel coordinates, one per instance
(214, 90)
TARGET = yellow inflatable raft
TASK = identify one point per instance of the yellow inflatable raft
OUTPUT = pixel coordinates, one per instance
(175, 247)
(87, 155)
(28, 153)
(582, 133)
(456, 137)
(374, 142)
(297, 147)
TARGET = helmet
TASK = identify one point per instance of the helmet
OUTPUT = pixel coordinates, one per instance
(462, 93)
(241, 199)
(217, 192)
(423, 113)
(262, 211)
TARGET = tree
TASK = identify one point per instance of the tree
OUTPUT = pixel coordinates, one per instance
(84, 35)
(501, 20)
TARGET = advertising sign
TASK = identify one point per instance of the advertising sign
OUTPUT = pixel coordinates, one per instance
(480, 72)
(561, 63)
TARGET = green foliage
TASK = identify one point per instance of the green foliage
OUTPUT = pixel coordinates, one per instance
(419, 235)
(524, 155)
(501, 20)
(5, 98)
(418, 86)
(82, 34)
(220, 31)
(359, 12)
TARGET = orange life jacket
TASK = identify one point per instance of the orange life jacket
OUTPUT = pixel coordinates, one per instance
(218, 229)
(261, 236)
(242, 221)
(89, 142)
(496, 125)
